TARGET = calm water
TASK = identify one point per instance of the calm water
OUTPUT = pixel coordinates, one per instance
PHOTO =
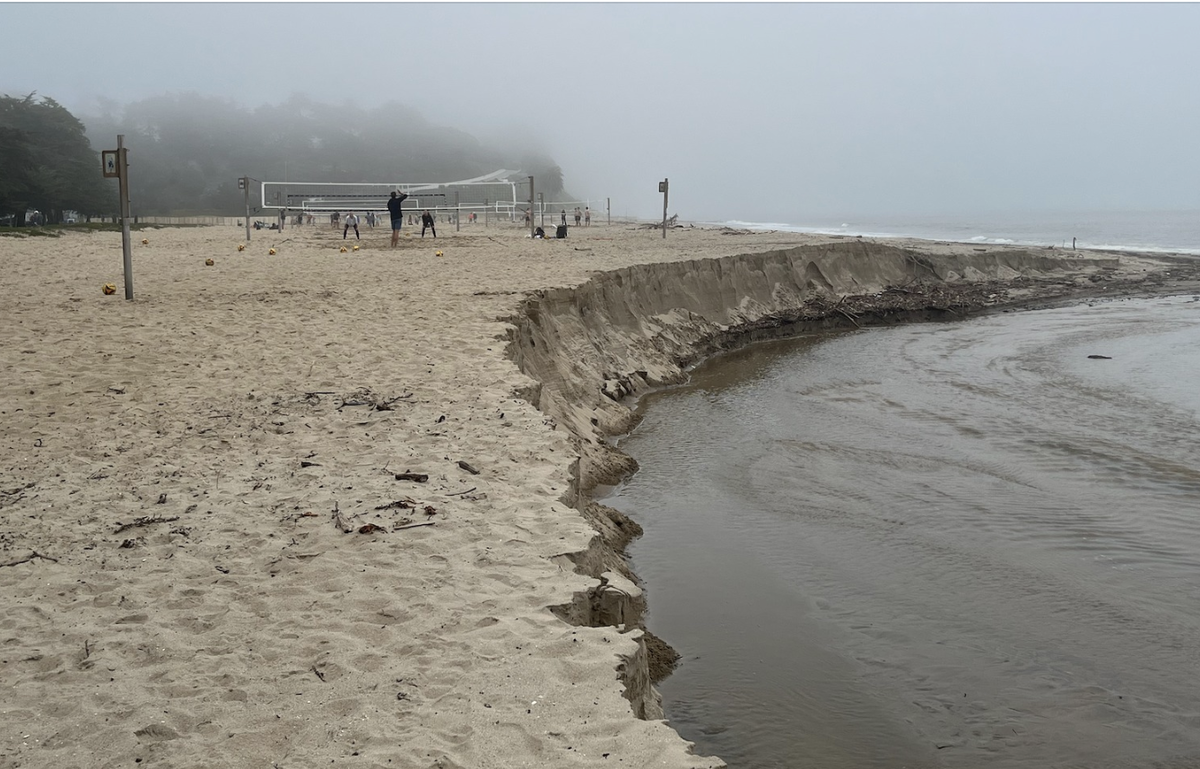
(941, 545)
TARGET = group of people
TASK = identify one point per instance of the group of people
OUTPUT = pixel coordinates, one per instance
(585, 216)
(351, 220)
(395, 202)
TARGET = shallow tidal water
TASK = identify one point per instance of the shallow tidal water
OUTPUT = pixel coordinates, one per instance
(938, 545)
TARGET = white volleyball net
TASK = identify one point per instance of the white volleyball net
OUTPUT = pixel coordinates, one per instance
(502, 191)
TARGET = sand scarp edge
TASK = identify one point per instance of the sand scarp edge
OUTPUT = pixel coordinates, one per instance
(591, 347)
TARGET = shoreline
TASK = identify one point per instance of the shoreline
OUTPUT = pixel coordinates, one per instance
(232, 423)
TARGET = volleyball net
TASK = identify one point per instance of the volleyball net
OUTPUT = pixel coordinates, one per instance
(503, 194)
(501, 190)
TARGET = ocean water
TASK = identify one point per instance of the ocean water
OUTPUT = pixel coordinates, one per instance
(955, 544)
(1155, 231)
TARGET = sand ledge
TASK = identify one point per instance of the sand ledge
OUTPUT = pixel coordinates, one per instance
(622, 333)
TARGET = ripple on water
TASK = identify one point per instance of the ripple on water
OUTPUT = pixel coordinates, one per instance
(944, 545)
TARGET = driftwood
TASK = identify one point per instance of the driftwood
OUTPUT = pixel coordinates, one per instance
(467, 466)
(145, 520)
(341, 522)
(418, 477)
(850, 317)
(30, 557)
(387, 405)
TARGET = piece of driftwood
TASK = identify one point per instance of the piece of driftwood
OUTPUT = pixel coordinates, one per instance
(387, 405)
(341, 522)
(28, 558)
(850, 317)
(414, 525)
(467, 466)
(145, 520)
(418, 477)
(460, 493)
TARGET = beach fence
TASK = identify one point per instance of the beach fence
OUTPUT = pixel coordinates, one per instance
(231, 221)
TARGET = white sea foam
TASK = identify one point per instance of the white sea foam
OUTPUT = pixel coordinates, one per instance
(1161, 233)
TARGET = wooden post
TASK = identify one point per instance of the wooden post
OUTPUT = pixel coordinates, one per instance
(663, 186)
(531, 222)
(456, 229)
(246, 187)
(126, 249)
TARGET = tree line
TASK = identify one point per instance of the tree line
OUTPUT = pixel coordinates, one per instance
(46, 162)
(187, 151)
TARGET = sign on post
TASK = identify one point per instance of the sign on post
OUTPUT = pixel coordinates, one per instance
(662, 187)
(115, 163)
(109, 164)
(244, 185)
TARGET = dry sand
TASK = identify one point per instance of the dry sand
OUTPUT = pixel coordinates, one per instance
(177, 474)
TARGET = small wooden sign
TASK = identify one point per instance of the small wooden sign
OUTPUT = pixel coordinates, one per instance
(110, 164)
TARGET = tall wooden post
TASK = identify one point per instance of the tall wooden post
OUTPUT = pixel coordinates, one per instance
(246, 188)
(531, 222)
(126, 248)
(663, 186)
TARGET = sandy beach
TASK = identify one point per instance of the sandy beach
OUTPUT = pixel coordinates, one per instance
(320, 508)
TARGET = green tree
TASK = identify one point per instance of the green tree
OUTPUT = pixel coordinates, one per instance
(48, 162)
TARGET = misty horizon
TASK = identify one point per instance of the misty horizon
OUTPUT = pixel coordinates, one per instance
(786, 113)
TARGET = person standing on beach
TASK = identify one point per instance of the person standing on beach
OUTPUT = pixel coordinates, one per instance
(427, 221)
(587, 217)
(578, 215)
(351, 221)
(564, 216)
(397, 214)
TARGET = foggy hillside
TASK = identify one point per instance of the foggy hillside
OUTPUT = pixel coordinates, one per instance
(187, 151)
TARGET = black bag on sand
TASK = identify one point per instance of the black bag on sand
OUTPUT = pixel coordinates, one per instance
(561, 232)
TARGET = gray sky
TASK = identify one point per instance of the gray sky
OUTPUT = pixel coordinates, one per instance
(764, 112)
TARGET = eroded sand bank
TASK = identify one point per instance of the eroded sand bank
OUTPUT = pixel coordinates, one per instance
(183, 480)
